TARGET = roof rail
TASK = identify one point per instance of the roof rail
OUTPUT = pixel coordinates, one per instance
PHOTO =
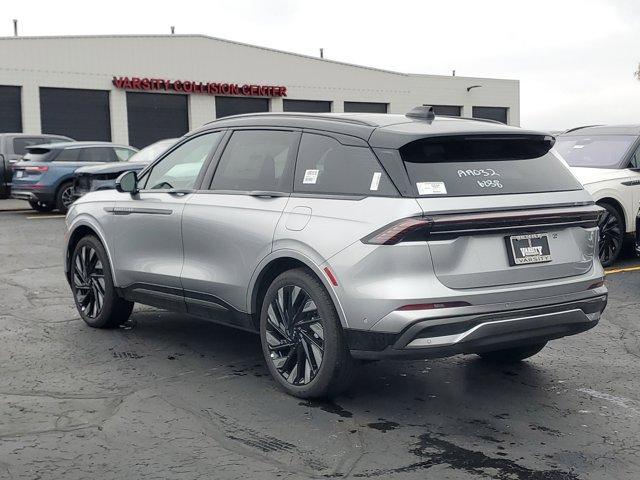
(486, 120)
(335, 118)
(579, 128)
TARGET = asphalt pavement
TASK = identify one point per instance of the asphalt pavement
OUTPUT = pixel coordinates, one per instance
(172, 397)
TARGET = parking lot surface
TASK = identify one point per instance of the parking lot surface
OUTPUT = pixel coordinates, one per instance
(170, 396)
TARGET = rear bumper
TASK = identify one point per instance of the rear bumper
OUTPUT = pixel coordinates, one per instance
(33, 196)
(446, 336)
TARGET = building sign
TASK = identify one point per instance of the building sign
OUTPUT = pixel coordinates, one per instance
(210, 88)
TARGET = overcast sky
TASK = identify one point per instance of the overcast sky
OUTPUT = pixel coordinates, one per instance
(575, 59)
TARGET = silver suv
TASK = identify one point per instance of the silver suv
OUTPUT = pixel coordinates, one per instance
(342, 238)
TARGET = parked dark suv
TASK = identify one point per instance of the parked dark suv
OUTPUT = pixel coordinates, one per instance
(12, 147)
(44, 177)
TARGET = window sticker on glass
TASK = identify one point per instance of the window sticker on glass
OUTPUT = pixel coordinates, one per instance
(310, 176)
(431, 188)
(375, 181)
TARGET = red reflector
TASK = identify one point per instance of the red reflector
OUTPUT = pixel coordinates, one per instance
(596, 285)
(431, 306)
(331, 276)
(39, 168)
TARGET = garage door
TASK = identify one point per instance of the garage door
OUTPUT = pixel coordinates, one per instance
(76, 113)
(155, 116)
(365, 107)
(451, 110)
(10, 109)
(306, 106)
(491, 113)
(226, 106)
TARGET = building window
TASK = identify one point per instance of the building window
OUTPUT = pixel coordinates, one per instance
(156, 116)
(311, 106)
(77, 113)
(10, 109)
(450, 110)
(491, 113)
(226, 106)
(366, 107)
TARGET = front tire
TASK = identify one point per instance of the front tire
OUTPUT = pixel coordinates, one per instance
(92, 285)
(64, 197)
(39, 206)
(302, 338)
(512, 355)
(611, 229)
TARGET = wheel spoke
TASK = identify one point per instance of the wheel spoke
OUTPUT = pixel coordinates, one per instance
(88, 281)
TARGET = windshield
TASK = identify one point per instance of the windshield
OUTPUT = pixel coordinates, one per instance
(461, 166)
(595, 151)
(150, 153)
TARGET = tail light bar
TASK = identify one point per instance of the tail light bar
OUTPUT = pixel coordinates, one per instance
(454, 225)
(36, 168)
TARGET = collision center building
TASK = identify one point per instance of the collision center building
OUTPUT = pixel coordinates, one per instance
(141, 88)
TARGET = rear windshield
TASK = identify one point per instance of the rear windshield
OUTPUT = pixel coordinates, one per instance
(37, 155)
(461, 166)
(595, 151)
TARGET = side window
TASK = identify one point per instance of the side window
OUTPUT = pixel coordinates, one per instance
(123, 154)
(635, 160)
(68, 155)
(257, 160)
(97, 154)
(325, 166)
(180, 168)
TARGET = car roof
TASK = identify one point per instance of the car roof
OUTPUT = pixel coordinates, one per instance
(31, 135)
(379, 129)
(63, 145)
(629, 129)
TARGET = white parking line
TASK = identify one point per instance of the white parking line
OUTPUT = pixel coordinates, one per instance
(617, 401)
(39, 217)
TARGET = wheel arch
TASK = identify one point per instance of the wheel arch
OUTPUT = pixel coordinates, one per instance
(80, 229)
(615, 203)
(272, 266)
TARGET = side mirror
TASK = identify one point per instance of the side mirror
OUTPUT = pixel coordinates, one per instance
(127, 182)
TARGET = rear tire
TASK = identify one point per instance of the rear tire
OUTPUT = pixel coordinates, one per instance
(92, 285)
(64, 197)
(611, 229)
(40, 207)
(302, 338)
(512, 355)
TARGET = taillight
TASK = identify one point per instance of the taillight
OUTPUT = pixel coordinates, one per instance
(397, 231)
(37, 169)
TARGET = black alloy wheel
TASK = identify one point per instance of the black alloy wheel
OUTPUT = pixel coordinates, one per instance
(295, 335)
(65, 197)
(88, 281)
(611, 231)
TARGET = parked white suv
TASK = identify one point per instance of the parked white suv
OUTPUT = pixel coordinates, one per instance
(606, 160)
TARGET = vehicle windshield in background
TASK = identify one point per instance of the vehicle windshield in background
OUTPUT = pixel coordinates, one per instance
(149, 153)
(595, 151)
(462, 166)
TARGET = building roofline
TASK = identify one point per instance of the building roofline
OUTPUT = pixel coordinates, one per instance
(235, 42)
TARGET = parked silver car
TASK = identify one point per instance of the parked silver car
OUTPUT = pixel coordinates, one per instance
(341, 237)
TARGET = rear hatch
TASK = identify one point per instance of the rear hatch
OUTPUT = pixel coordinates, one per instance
(502, 210)
(33, 166)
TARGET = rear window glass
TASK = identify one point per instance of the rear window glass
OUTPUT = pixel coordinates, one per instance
(37, 155)
(461, 166)
(595, 151)
(325, 166)
(20, 144)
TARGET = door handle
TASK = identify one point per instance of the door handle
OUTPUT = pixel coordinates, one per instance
(267, 194)
(179, 192)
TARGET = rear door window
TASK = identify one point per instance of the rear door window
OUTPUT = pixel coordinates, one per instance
(97, 154)
(325, 166)
(460, 166)
(256, 160)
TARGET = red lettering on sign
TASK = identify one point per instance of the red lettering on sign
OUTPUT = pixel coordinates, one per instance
(189, 86)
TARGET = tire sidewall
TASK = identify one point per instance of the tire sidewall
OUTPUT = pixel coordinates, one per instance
(613, 211)
(59, 204)
(333, 338)
(109, 290)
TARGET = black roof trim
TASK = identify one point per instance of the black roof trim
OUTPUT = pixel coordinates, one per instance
(301, 115)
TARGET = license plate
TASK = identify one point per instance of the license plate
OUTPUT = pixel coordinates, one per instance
(530, 248)
(19, 174)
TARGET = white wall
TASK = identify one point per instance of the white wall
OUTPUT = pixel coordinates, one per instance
(91, 62)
